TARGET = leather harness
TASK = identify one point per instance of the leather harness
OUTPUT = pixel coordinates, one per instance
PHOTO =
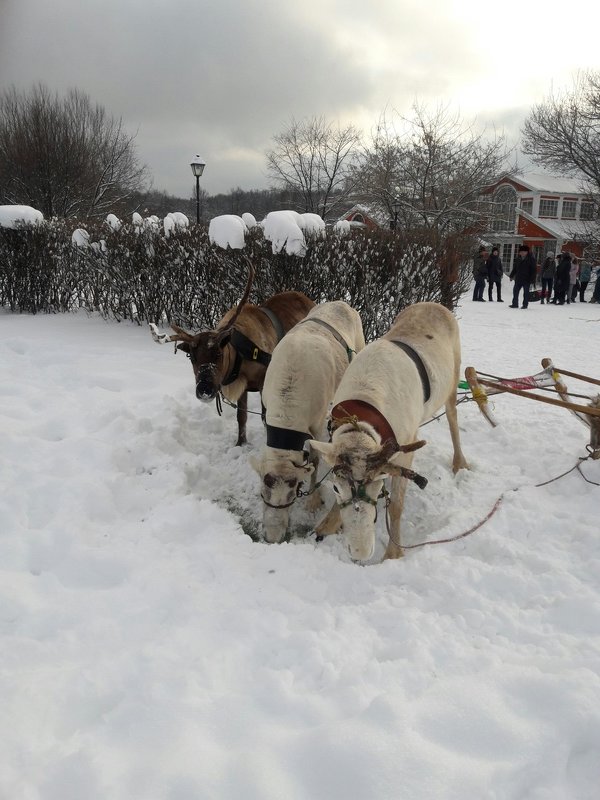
(246, 350)
(287, 439)
(365, 412)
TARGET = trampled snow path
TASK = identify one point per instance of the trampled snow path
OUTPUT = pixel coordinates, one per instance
(151, 649)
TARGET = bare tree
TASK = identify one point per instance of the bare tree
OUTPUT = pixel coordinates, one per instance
(311, 159)
(64, 156)
(563, 132)
(429, 170)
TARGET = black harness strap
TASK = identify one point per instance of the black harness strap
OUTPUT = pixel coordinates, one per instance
(275, 322)
(285, 439)
(334, 333)
(244, 349)
(417, 361)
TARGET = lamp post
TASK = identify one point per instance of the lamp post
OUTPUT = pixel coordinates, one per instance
(197, 166)
(396, 206)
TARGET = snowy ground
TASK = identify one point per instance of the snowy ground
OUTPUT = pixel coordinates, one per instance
(151, 650)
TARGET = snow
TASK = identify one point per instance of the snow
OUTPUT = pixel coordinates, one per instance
(13, 216)
(312, 224)
(80, 238)
(174, 220)
(150, 649)
(249, 219)
(342, 227)
(113, 222)
(284, 230)
(227, 230)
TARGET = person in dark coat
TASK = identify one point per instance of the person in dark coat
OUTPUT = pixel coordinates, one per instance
(548, 273)
(480, 273)
(523, 273)
(561, 283)
(495, 273)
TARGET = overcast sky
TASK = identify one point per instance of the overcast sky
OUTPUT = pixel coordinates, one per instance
(220, 78)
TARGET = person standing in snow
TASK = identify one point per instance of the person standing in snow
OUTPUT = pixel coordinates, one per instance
(495, 273)
(573, 280)
(585, 273)
(480, 273)
(523, 273)
(548, 272)
(596, 292)
(561, 283)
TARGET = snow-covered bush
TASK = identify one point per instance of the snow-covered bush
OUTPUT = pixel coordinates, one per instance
(114, 222)
(139, 273)
(80, 238)
(283, 230)
(228, 230)
(19, 216)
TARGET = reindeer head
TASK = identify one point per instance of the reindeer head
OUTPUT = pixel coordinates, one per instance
(360, 464)
(282, 474)
(208, 350)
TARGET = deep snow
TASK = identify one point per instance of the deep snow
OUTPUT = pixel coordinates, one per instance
(150, 649)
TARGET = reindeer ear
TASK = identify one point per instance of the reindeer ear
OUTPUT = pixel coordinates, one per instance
(187, 337)
(394, 465)
(184, 346)
(325, 449)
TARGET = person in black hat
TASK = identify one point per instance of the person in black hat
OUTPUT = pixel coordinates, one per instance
(523, 273)
(480, 273)
(495, 273)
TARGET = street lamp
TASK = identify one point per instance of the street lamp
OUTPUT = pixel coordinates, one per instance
(396, 206)
(197, 166)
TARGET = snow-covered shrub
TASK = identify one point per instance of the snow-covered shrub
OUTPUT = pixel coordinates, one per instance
(228, 230)
(13, 216)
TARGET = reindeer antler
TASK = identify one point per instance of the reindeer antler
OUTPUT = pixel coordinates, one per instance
(390, 447)
(164, 338)
(243, 301)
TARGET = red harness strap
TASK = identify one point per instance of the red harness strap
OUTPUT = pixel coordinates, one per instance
(363, 412)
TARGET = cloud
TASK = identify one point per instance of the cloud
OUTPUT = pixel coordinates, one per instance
(220, 77)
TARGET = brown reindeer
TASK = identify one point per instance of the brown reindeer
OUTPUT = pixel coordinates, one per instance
(232, 359)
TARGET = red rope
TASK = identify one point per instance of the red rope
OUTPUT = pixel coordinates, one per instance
(460, 535)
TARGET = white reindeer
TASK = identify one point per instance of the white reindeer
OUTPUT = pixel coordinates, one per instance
(395, 384)
(305, 370)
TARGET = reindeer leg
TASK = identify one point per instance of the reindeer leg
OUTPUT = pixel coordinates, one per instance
(459, 461)
(242, 416)
(331, 523)
(315, 500)
(398, 490)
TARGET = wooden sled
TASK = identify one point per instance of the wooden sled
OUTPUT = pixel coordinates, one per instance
(550, 377)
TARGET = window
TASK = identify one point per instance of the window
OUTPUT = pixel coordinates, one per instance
(548, 208)
(527, 205)
(569, 208)
(587, 211)
(504, 209)
(507, 257)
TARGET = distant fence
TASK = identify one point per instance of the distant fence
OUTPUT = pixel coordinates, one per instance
(144, 276)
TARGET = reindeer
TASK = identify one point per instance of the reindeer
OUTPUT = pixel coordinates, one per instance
(232, 359)
(301, 380)
(390, 388)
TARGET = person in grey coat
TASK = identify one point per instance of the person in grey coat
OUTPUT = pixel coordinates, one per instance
(585, 273)
(495, 273)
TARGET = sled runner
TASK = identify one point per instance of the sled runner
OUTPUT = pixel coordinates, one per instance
(549, 379)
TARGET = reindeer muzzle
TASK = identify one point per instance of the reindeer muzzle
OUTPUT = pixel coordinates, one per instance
(205, 384)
